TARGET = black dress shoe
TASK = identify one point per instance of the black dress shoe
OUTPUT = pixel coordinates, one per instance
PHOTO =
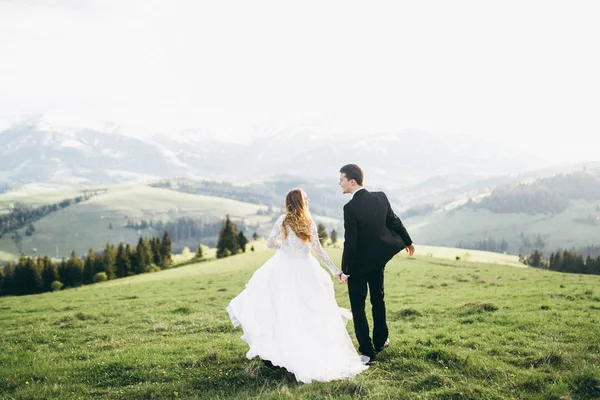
(372, 360)
(386, 344)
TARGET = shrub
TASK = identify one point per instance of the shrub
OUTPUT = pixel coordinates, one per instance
(100, 277)
(153, 268)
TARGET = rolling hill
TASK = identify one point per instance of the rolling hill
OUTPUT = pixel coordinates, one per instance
(457, 330)
(561, 211)
(103, 218)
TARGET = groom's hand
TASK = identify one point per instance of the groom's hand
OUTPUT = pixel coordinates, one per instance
(410, 250)
(343, 278)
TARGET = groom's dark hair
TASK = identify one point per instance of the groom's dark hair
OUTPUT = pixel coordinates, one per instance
(353, 171)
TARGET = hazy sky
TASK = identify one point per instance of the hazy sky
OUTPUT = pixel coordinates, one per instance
(520, 72)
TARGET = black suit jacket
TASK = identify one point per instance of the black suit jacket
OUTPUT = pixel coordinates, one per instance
(374, 234)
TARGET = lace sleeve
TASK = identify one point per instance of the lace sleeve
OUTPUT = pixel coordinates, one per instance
(321, 254)
(276, 237)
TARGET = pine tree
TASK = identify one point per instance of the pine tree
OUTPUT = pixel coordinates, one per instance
(20, 280)
(333, 237)
(130, 251)
(63, 273)
(227, 243)
(27, 277)
(536, 259)
(109, 257)
(242, 241)
(88, 268)
(30, 229)
(75, 267)
(558, 261)
(122, 263)
(9, 280)
(39, 262)
(99, 264)
(143, 255)
(255, 236)
(595, 270)
(155, 246)
(579, 264)
(199, 252)
(1, 280)
(49, 274)
(165, 250)
(322, 233)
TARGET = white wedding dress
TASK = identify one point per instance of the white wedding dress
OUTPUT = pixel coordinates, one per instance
(289, 314)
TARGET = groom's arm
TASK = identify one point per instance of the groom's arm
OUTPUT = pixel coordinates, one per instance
(395, 224)
(350, 240)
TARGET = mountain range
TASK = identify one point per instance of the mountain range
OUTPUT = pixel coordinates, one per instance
(34, 152)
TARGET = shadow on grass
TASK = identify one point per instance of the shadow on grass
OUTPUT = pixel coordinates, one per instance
(256, 379)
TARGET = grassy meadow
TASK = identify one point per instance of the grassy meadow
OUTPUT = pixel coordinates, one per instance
(458, 331)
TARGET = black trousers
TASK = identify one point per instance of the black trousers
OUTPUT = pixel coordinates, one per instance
(357, 289)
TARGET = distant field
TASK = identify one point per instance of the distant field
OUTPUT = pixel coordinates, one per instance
(468, 255)
(559, 231)
(7, 256)
(86, 225)
(458, 330)
(37, 194)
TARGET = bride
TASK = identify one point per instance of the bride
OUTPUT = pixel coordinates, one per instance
(288, 311)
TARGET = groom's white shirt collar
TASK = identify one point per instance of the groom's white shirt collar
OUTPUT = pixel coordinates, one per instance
(356, 191)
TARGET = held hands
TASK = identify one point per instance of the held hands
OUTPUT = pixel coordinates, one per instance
(410, 250)
(343, 278)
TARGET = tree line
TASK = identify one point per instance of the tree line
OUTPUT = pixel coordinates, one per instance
(564, 261)
(37, 275)
(185, 231)
(325, 199)
(488, 244)
(253, 193)
(232, 241)
(525, 242)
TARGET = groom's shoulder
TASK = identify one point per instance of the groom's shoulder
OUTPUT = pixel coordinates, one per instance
(380, 195)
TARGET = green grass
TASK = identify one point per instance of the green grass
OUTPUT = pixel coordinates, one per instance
(458, 331)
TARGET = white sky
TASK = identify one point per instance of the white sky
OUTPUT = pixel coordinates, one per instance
(526, 73)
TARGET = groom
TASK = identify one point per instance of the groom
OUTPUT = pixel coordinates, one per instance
(374, 234)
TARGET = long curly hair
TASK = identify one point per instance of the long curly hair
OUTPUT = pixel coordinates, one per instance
(296, 215)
